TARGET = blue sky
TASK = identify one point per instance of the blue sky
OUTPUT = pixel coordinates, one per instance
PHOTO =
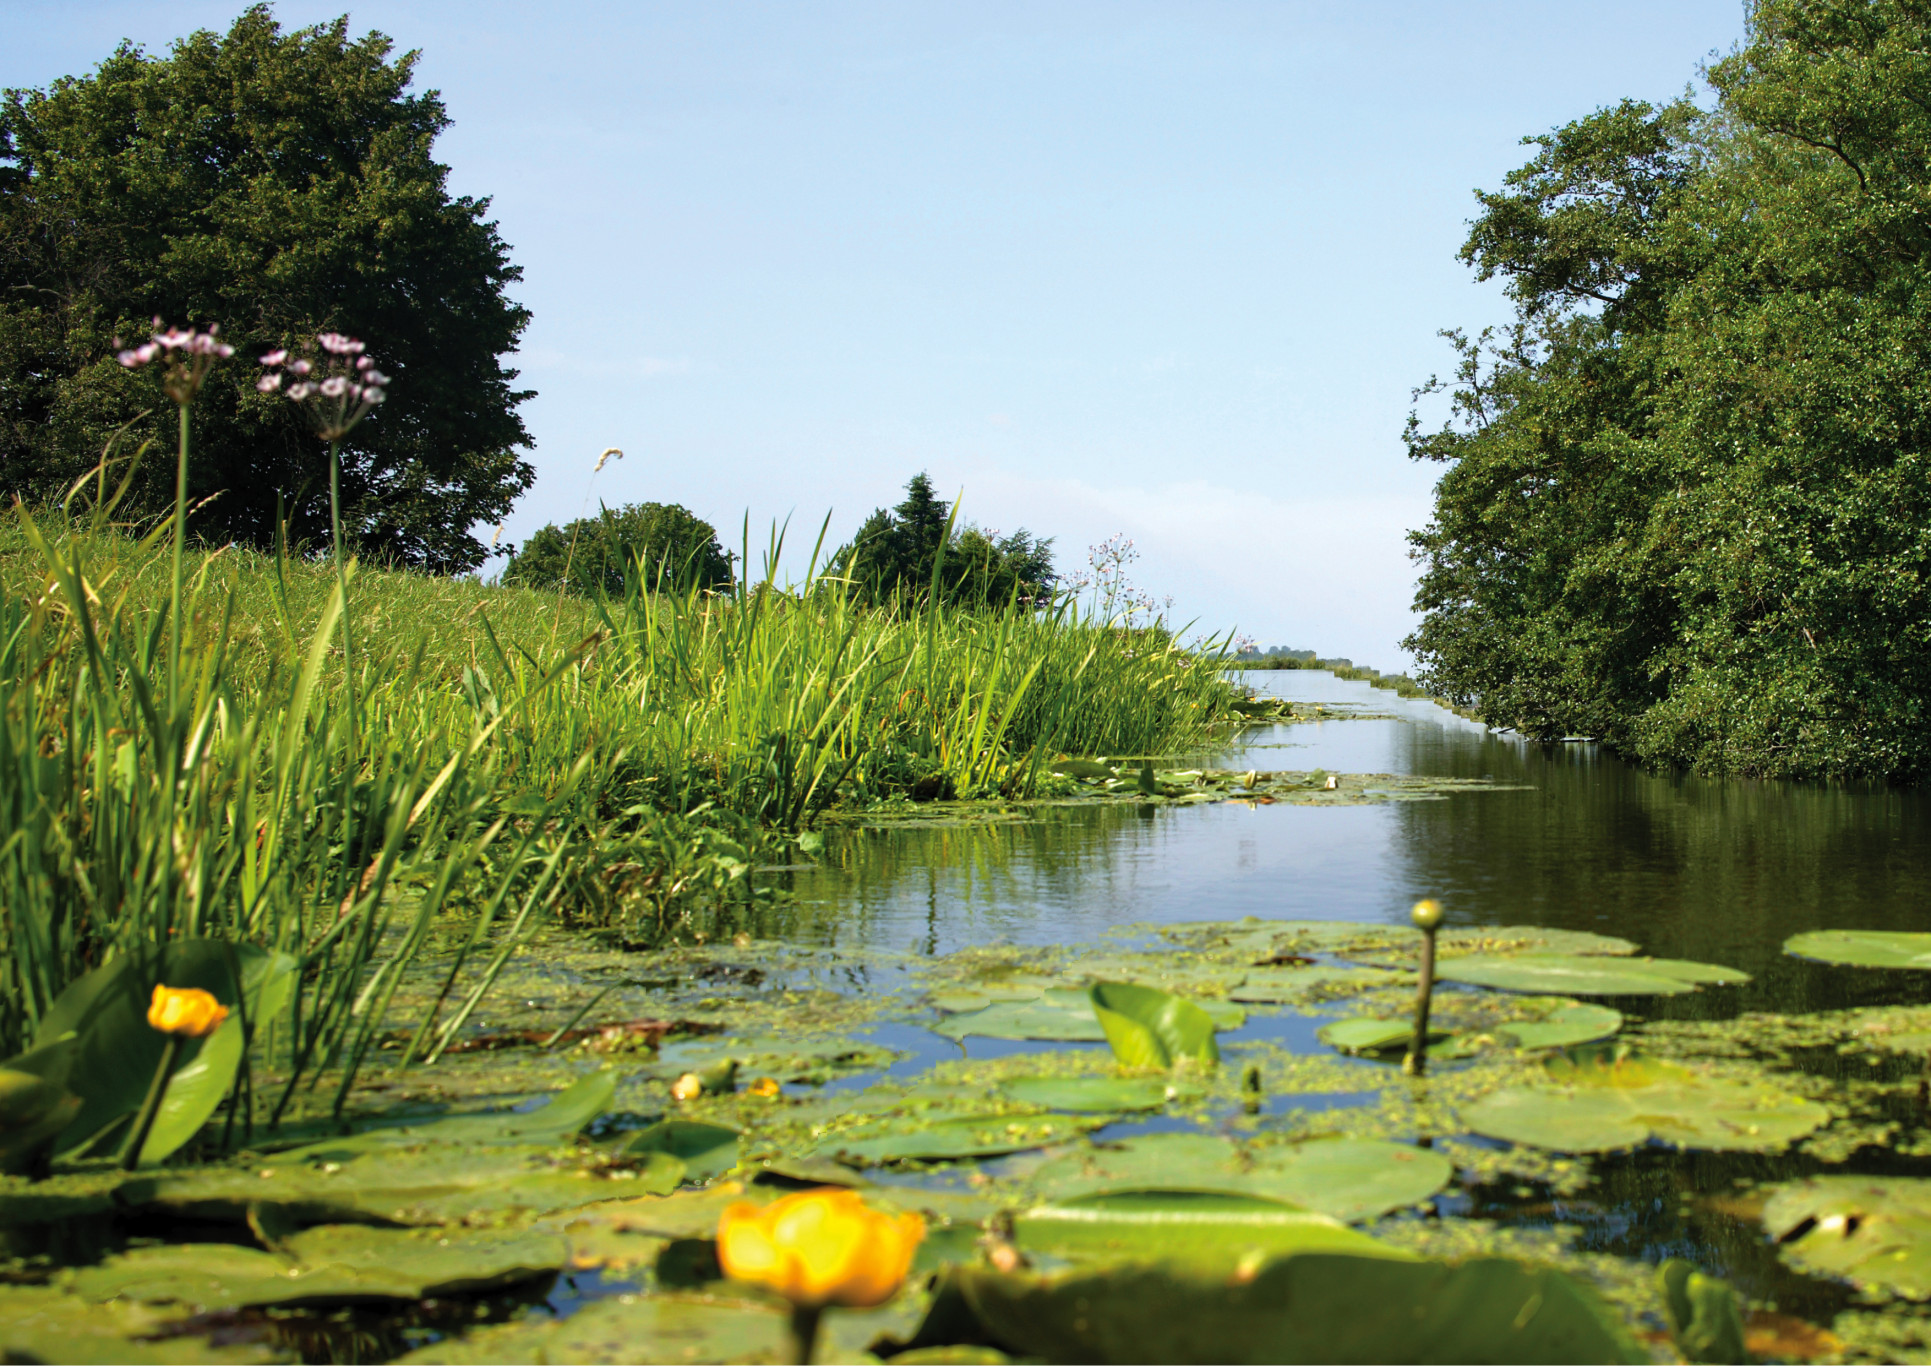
(1162, 269)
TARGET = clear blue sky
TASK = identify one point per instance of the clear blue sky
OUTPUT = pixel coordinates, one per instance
(1162, 269)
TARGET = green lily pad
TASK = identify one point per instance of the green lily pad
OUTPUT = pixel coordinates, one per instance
(706, 1150)
(559, 1118)
(1345, 1178)
(1189, 979)
(333, 1264)
(1189, 1226)
(1705, 1322)
(1312, 983)
(1061, 1015)
(1576, 1022)
(1313, 1307)
(1863, 948)
(950, 1139)
(643, 1328)
(1604, 1103)
(1088, 1095)
(1149, 1028)
(431, 1184)
(1556, 974)
(1874, 1231)
(43, 1323)
(1368, 1035)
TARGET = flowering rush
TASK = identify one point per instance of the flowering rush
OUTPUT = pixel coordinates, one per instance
(339, 389)
(198, 352)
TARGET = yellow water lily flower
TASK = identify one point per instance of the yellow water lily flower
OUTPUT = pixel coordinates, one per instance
(188, 1012)
(819, 1247)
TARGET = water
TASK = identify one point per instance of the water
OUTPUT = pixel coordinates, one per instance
(1721, 871)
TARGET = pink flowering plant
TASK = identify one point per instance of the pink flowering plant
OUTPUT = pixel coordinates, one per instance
(189, 357)
(339, 387)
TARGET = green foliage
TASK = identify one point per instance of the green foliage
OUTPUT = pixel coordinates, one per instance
(280, 184)
(1686, 495)
(664, 544)
(895, 555)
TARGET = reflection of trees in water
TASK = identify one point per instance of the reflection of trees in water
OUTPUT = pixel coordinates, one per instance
(971, 881)
(1687, 867)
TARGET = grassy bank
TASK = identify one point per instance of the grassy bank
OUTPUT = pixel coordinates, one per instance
(495, 760)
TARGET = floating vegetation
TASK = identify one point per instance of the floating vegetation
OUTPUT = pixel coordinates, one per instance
(1156, 1150)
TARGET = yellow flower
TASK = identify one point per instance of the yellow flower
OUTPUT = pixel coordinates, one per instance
(188, 1011)
(766, 1087)
(819, 1247)
(687, 1087)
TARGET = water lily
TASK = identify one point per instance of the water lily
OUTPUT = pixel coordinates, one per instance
(818, 1248)
(188, 1012)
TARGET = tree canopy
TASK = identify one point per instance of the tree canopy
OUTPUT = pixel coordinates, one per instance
(1686, 503)
(664, 543)
(895, 552)
(278, 185)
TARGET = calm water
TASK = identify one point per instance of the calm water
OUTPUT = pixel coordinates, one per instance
(1686, 867)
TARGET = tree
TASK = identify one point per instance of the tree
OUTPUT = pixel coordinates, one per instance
(894, 554)
(1686, 502)
(663, 543)
(279, 185)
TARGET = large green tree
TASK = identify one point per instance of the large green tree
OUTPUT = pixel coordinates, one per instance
(279, 185)
(896, 551)
(1687, 497)
(664, 544)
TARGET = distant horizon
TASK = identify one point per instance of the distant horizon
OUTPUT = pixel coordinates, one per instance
(1167, 271)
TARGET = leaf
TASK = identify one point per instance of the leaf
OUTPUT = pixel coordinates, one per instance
(194, 1092)
(1190, 1226)
(1602, 1103)
(1313, 983)
(1580, 975)
(431, 1184)
(1153, 1029)
(706, 1150)
(1365, 1035)
(1064, 1016)
(1704, 1320)
(1874, 1231)
(949, 1139)
(41, 1323)
(332, 1264)
(1313, 1307)
(1863, 948)
(1576, 1023)
(1088, 1094)
(560, 1118)
(1345, 1178)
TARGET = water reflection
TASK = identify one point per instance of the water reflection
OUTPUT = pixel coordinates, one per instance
(1688, 867)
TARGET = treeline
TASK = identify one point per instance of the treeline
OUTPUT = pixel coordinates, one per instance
(1686, 502)
(900, 555)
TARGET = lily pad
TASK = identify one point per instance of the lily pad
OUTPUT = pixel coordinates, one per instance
(1314, 1307)
(1154, 1029)
(42, 1323)
(1556, 974)
(1312, 983)
(1863, 948)
(951, 1139)
(1345, 1178)
(431, 1184)
(1365, 1034)
(1574, 1023)
(559, 1118)
(1603, 1103)
(1188, 1226)
(333, 1264)
(1873, 1231)
(1061, 1015)
(1088, 1095)
(706, 1150)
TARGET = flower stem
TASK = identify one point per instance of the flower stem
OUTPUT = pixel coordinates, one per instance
(342, 584)
(1416, 1063)
(151, 1107)
(804, 1331)
(180, 532)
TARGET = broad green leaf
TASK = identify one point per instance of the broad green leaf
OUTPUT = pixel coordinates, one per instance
(1874, 1231)
(35, 1104)
(1312, 1307)
(1346, 1178)
(1366, 1035)
(1185, 1226)
(1581, 975)
(1058, 1015)
(1604, 1103)
(706, 1150)
(1088, 1094)
(1576, 1023)
(431, 1184)
(685, 1327)
(1704, 1320)
(1863, 948)
(194, 1092)
(330, 1264)
(949, 1139)
(1312, 983)
(1153, 1029)
(560, 1118)
(44, 1323)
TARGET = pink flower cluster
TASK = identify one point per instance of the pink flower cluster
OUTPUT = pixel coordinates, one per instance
(340, 389)
(199, 352)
